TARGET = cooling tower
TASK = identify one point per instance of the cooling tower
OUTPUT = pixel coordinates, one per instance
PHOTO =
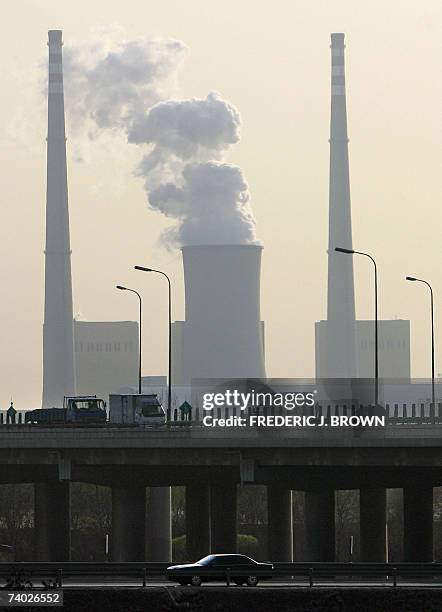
(222, 335)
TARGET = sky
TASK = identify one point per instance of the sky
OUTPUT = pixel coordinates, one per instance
(271, 60)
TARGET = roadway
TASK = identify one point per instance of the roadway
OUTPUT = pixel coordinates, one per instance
(72, 584)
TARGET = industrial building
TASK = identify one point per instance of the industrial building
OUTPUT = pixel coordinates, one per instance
(394, 349)
(221, 337)
(106, 356)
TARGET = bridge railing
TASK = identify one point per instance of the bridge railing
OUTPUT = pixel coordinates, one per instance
(18, 419)
(57, 574)
(396, 413)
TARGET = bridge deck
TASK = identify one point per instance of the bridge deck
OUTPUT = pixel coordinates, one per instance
(37, 437)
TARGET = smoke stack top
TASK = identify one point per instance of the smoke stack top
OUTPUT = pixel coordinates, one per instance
(55, 37)
(337, 39)
(184, 142)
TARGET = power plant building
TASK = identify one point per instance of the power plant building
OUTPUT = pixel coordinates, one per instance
(394, 349)
(106, 356)
(344, 347)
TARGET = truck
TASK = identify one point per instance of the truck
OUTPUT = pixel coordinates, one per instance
(135, 409)
(76, 409)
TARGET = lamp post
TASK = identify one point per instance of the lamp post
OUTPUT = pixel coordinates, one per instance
(139, 341)
(376, 343)
(420, 280)
(169, 386)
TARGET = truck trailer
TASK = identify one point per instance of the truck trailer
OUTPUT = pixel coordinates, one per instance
(134, 409)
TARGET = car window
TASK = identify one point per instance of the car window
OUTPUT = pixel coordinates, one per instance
(227, 560)
(224, 560)
(206, 560)
(86, 405)
(243, 560)
(148, 410)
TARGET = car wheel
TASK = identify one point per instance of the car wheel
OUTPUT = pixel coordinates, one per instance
(252, 580)
(195, 581)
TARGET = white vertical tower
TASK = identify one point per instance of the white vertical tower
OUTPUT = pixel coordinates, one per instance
(58, 341)
(341, 346)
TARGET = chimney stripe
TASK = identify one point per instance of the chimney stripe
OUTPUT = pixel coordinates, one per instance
(338, 90)
(338, 70)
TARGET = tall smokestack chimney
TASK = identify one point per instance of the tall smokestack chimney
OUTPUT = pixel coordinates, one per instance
(58, 341)
(341, 347)
(223, 335)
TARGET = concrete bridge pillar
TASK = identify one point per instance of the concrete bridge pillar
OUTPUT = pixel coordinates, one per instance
(372, 520)
(223, 517)
(128, 523)
(197, 521)
(320, 525)
(280, 523)
(418, 523)
(52, 518)
(160, 524)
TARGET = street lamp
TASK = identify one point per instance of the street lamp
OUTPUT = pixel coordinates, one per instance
(376, 343)
(169, 386)
(139, 341)
(420, 280)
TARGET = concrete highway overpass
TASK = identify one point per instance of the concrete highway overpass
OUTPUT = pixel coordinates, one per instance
(211, 462)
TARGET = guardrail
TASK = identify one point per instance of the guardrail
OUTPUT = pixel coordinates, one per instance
(313, 573)
(399, 414)
(389, 572)
(57, 572)
(395, 414)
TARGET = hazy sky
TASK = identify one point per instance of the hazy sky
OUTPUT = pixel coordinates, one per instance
(272, 61)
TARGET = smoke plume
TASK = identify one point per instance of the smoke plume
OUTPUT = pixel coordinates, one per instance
(128, 88)
(109, 85)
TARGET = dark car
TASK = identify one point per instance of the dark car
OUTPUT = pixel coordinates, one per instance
(242, 570)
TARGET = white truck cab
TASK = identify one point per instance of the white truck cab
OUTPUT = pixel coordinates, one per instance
(135, 409)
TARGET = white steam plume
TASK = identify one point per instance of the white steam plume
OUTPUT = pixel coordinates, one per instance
(211, 205)
(111, 84)
(126, 87)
